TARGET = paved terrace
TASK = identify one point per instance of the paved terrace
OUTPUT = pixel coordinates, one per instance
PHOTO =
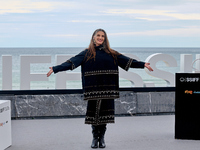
(128, 133)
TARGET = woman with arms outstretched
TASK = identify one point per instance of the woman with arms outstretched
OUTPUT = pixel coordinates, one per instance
(100, 81)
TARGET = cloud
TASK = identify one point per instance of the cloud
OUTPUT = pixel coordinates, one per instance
(85, 21)
(61, 35)
(183, 32)
(154, 15)
(28, 6)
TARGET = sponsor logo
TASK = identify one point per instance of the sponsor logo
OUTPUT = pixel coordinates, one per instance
(3, 124)
(188, 92)
(189, 79)
(4, 109)
(191, 92)
(196, 92)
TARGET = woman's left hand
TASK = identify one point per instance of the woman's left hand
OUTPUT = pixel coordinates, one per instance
(147, 65)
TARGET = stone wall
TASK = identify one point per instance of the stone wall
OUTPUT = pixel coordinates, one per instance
(66, 105)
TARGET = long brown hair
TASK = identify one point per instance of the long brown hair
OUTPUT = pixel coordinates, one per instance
(91, 49)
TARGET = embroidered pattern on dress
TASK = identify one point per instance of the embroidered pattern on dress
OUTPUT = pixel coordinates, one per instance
(73, 66)
(98, 119)
(106, 117)
(101, 97)
(128, 64)
(99, 72)
(101, 117)
(101, 122)
(100, 92)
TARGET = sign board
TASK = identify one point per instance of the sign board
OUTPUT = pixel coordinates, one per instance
(5, 124)
(187, 112)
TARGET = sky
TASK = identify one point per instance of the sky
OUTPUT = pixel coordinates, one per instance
(71, 23)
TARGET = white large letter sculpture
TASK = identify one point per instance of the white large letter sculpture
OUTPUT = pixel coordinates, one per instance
(197, 61)
(62, 77)
(7, 72)
(26, 77)
(169, 61)
(185, 63)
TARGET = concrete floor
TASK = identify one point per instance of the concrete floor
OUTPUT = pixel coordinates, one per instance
(128, 133)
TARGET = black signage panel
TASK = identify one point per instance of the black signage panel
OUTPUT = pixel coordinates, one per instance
(187, 106)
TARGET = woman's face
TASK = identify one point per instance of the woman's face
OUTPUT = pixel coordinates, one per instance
(99, 38)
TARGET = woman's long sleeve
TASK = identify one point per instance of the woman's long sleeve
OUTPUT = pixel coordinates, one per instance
(63, 67)
(137, 64)
(70, 64)
(126, 62)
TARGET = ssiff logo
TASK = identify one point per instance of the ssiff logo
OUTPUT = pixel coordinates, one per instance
(189, 79)
(188, 92)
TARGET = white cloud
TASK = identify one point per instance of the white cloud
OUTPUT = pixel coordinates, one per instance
(181, 32)
(28, 6)
(61, 35)
(154, 15)
(73, 21)
(85, 21)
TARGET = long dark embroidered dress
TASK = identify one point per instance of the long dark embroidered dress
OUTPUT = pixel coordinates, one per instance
(100, 81)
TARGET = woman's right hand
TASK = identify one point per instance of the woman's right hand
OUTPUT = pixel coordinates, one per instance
(50, 72)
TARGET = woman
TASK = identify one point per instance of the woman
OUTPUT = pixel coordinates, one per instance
(100, 81)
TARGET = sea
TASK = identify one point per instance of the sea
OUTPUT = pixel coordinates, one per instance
(141, 53)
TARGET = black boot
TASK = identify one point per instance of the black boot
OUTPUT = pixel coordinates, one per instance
(102, 130)
(95, 133)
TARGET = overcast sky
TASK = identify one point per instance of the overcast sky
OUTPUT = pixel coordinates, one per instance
(128, 23)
